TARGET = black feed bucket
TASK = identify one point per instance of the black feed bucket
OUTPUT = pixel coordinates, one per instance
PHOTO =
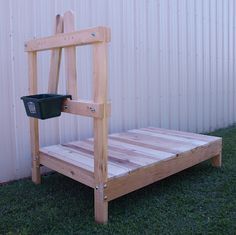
(44, 106)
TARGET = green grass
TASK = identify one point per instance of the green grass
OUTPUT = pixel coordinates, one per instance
(200, 200)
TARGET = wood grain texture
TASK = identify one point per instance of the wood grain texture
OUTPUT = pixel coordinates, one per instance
(216, 161)
(188, 135)
(134, 159)
(123, 159)
(100, 129)
(34, 128)
(70, 57)
(76, 38)
(117, 187)
(69, 169)
(85, 108)
(55, 59)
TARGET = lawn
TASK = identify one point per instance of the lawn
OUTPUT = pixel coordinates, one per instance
(200, 200)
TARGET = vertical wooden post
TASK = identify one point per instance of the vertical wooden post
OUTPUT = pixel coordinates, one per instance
(216, 161)
(70, 57)
(100, 75)
(34, 129)
(55, 59)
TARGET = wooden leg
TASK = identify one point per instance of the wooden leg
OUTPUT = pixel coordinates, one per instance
(36, 176)
(216, 161)
(100, 206)
(34, 124)
(100, 127)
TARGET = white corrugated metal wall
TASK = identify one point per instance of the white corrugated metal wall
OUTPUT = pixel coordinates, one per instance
(172, 65)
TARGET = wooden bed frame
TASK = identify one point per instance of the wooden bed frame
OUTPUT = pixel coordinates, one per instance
(117, 164)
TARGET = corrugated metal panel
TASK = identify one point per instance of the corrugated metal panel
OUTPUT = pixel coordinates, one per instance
(172, 65)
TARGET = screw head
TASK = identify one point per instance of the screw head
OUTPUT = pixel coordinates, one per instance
(91, 109)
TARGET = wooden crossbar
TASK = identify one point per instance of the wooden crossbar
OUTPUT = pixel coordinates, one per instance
(85, 108)
(68, 169)
(78, 38)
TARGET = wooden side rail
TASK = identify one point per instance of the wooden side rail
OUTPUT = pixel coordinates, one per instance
(82, 37)
(117, 187)
(68, 169)
(85, 108)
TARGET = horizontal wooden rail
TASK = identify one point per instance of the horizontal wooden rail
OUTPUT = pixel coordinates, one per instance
(117, 187)
(85, 108)
(82, 37)
(68, 169)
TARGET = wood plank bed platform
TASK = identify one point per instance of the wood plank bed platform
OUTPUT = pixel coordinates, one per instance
(135, 158)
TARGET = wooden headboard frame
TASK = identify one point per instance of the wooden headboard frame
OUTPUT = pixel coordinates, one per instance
(98, 108)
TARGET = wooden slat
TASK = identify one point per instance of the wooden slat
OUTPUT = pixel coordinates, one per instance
(148, 152)
(70, 57)
(83, 157)
(34, 128)
(121, 155)
(153, 142)
(82, 37)
(190, 135)
(179, 139)
(85, 108)
(122, 185)
(114, 168)
(116, 159)
(67, 155)
(55, 59)
(145, 145)
(68, 169)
